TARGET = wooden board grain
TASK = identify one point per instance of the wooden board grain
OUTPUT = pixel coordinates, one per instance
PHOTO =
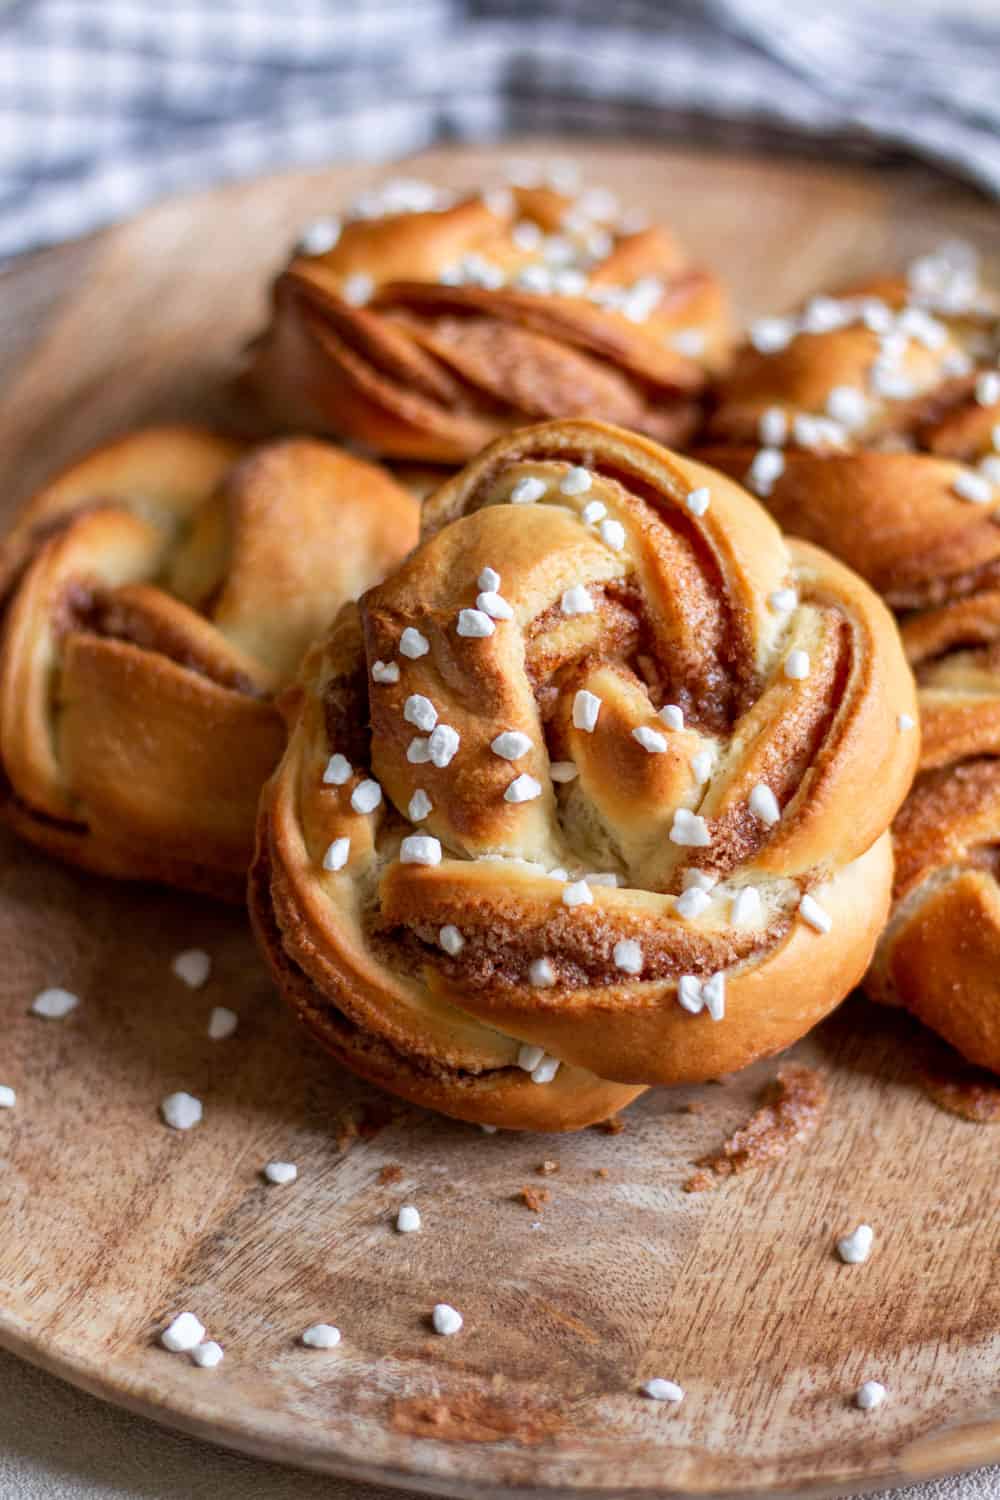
(112, 1222)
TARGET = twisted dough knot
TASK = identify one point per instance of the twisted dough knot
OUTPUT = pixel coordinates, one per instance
(157, 594)
(940, 954)
(870, 423)
(427, 333)
(621, 811)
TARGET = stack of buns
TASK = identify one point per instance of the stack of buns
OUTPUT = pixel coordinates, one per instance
(578, 778)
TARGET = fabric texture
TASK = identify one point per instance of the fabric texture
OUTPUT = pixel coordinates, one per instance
(108, 104)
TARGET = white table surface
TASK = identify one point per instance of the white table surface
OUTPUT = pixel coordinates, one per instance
(58, 1444)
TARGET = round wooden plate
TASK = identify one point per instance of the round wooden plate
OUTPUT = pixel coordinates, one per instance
(111, 1222)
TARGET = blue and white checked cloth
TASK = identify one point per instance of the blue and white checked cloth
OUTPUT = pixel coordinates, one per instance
(107, 104)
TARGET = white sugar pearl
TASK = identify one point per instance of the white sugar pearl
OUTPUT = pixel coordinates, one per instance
(418, 752)
(975, 488)
(181, 1111)
(413, 643)
(586, 710)
(612, 535)
(542, 975)
(207, 1355)
(420, 712)
(870, 1395)
(905, 722)
(474, 625)
(420, 805)
(764, 804)
(222, 1023)
(689, 994)
(408, 1219)
(577, 601)
(446, 1320)
(511, 744)
(451, 939)
(767, 467)
(281, 1173)
(385, 671)
(494, 605)
(783, 601)
(653, 743)
(321, 1336)
(183, 1333)
(357, 289)
(576, 482)
(488, 580)
(53, 1004)
(988, 388)
(577, 893)
(698, 880)
(855, 1248)
(713, 994)
(563, 770)
(523, 788)
(772, 428)
(672, 716)
(527, 491)
(848, 406)
(701, 765)
(691, 903)
(689, 830)
(746, 909)
(366, 796)
(442, 747)
(546, 1070)
(8, 1098)
(338, 771)
(662, 1390)
(593, 511)
(319, 237)
(529, 1055)
(698, 500)
(797, 665)
(810, 911)
(420, 849)
(771, 335)
(193, 966)
(628, 956)
(337, 854)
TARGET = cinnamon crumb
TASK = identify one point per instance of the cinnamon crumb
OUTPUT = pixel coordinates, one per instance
(602, 1172)
(966, 1091)
(694, 1107)
(789, 1112)
(614, 1125)
(473, 1419)
(534, 1198)
(391, 1172)
(546, 1168)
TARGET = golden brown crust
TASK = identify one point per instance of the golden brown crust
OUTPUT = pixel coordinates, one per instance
(454, 965)
(905, 487)
(940, 954)
(156, 595)
(424, 335)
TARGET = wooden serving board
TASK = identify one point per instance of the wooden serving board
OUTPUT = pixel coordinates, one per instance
(111, 1222)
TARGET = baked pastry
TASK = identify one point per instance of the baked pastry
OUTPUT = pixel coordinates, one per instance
(870, 424)
(620, 814)
(424, 326)
(940, 953)
(155, 596)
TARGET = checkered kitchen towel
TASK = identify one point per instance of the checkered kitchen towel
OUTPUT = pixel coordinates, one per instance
(107, 104)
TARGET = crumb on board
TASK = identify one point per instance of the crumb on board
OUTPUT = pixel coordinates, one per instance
(534, 1198)
(391, 1172)
(614, 1125)
(963, 1090)
(547, 1168)
(789, 1111)
(601, 1172)
(473, 1419)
